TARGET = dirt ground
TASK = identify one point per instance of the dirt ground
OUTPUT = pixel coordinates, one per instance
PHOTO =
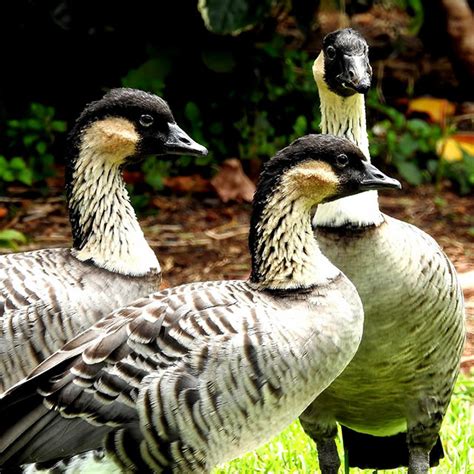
(200, 238)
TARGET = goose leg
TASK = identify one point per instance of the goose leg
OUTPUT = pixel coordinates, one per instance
(418, 461)
(424, 446)
(324, 436)
(328, 456)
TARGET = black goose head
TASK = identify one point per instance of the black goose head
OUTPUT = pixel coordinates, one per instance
(323, 168)
(347, 70)
(133, 124)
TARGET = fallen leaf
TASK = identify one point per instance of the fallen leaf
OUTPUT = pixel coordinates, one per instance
(188, 184)
(133, 177)
(231, 183)
(436, 109)
(3, 212)
(451, 148)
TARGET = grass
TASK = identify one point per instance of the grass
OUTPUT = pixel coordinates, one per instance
(293, 452)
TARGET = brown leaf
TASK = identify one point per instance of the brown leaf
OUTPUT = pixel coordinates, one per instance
(231, 183)
(188, 184)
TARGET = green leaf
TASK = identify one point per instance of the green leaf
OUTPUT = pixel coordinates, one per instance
(218, 61)
(410, 172)
(58, 126)
(8, 176)
(30, 139)
(150, 76)
(191, 112)
(216, 128)
(17, 163)
(26, 176)
(408, 145)
(203, 160)
(232, 16)
(11, 234)
(155, 171)
(41, 147)
(300, 126)
(418, 126)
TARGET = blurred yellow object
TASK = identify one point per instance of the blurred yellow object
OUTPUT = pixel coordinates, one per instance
(451, 148)
(436, 109)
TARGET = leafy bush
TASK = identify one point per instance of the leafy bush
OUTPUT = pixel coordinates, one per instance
(407, 144)
(254, 104)
(30, 143)
(461, 173)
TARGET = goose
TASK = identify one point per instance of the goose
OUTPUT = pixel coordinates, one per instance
(392, 397)
(50, 295)
(196, 375)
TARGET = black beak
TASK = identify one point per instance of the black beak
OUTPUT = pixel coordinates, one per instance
(179, 142)
(357, 73)
(375, 179)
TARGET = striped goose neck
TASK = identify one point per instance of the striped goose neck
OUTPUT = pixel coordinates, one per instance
(104, 225)
(345, 117)
(284, 251)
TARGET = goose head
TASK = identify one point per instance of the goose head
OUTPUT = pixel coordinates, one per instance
(343, 63)
(126, 125)
(321, 168)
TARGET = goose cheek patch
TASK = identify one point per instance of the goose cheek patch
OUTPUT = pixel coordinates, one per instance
(315, 179)
(115, 137)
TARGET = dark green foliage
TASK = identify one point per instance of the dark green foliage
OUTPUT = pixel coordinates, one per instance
(245, 95)
(407, 144)
(245, 100)
(233, 16)
(30, 143)
(461, 173)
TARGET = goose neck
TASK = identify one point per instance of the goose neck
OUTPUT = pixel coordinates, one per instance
(285, 253)
(105, 229)
(345, 117)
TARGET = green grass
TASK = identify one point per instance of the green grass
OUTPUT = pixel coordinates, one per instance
(293, 452)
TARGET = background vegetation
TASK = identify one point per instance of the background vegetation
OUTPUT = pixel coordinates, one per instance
(238, 78)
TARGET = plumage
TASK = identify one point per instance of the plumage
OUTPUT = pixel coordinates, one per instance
(50, 295)
(400, 382)
(193, 376)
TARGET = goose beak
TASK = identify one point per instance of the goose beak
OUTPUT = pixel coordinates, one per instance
(179, 142)
(375, 179)
(356, 73)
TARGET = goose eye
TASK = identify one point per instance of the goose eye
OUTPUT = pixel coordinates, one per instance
(342, 160)
(146, 120)
(330, 52)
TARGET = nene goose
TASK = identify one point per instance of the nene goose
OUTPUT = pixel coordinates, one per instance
(392, 397)
(196, 375)
(50, 295)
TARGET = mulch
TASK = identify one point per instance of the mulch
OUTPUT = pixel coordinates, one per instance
(197, 237)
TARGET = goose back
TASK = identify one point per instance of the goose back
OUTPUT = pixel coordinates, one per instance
(47, 297)
(159, 376)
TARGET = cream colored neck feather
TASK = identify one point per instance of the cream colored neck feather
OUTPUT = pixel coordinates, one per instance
(289, 255)
(345, 117)
(114, 239)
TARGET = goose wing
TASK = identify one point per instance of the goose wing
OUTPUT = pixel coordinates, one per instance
(97, 376)
(46, 298)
